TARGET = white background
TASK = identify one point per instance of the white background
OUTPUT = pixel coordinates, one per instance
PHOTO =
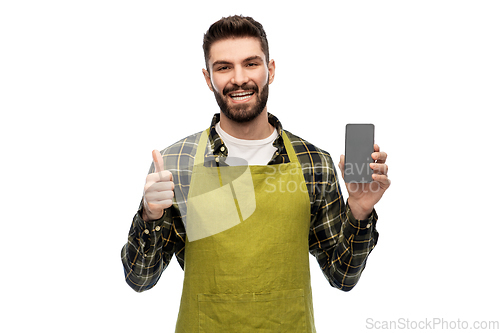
(89, 88)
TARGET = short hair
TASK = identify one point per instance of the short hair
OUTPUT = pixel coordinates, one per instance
(233, 27)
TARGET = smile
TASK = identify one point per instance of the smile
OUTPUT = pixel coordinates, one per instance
(241, 96)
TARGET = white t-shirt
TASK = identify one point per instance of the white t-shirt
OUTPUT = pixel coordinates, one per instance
(252, 152)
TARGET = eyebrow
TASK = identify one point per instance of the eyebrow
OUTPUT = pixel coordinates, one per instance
(225, 62)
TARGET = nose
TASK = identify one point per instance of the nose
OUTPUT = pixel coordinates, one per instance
(239, 78)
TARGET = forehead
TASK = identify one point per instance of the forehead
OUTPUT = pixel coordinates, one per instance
(235, 49)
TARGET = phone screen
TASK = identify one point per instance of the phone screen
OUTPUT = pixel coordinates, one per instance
(359, 140)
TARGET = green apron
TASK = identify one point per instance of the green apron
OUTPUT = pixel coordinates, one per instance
(247, 251)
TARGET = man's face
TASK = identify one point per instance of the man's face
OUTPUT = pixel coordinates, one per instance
(239, 77)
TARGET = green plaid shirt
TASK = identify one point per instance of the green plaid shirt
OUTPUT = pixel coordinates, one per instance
(340, 243)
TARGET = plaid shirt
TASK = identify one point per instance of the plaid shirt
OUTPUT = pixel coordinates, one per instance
(340, 243)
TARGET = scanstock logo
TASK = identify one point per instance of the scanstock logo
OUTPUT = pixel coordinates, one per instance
(222, 198)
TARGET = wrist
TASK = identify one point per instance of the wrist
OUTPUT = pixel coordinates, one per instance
(148, 218)
(146, 214)
(358, 211)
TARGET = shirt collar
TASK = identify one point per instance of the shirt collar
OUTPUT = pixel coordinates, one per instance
(217, 144)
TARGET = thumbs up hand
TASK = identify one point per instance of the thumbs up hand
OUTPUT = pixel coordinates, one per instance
(158, 191)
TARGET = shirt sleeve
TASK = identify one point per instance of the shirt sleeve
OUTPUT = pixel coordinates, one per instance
(149, 249)
(340, 243)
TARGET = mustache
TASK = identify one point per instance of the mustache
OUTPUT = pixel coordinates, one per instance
(246, 86)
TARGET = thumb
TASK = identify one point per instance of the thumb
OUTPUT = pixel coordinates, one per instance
(342, 164)
(158, 161)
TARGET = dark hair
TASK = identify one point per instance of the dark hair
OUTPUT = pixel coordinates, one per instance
(233, 27)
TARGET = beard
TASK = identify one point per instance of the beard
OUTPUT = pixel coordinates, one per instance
(243, 113)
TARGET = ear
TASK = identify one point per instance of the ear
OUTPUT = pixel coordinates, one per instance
(272, 69)
(206, 75)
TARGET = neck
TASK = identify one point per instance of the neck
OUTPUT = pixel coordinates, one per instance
(257, 129)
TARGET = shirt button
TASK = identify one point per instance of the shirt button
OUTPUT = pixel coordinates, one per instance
(368, 225)
(146, 231)
(217, 159)
(157, 228)
(276, 153)
(222, 148)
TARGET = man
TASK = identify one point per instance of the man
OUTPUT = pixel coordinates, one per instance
(243, 203)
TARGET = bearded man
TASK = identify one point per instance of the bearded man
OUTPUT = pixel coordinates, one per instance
(243, 203)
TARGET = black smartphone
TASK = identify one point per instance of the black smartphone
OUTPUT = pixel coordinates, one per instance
(359, 140)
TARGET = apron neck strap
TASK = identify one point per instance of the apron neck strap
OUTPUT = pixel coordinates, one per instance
(200, 151)
(202, 143)
(289, 148)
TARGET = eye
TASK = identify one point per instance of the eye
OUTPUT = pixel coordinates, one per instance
(252, 64)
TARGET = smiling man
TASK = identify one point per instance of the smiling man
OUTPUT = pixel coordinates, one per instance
(243, 203)
(240, 82)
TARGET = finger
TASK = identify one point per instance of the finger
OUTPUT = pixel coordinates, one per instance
(155, 197)
(380, 157)
(164, 175)
(164, 204)
(379, 168)
(158, 161)
(376, 148)
(341, 164)
(382, 179)
(161, 187)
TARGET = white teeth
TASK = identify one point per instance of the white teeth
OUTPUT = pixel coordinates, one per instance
(241, 96)
(242, 93)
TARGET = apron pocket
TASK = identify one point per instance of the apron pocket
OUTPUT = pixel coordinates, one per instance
(279, 311)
